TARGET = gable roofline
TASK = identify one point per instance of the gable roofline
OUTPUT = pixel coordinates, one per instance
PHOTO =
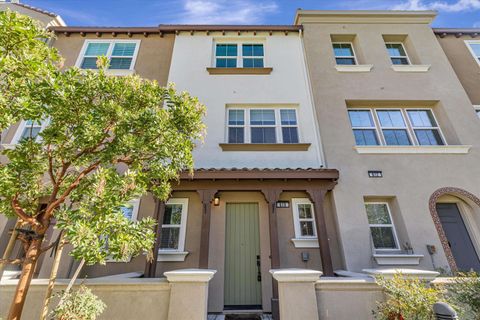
(458, 32)
(364, 16)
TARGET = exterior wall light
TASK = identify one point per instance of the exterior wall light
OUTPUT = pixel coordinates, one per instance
(216, 200)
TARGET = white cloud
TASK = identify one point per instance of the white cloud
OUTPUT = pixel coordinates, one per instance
(457, 6)
(226, 11)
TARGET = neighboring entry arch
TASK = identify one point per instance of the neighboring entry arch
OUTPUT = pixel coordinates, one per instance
(436, 220)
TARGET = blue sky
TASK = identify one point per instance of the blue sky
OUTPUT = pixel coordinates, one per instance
(452, 13)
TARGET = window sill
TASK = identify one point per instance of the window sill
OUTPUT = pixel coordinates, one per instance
(398, 259)
(239, 70)
(7, 146)
(354, 68)
(171, 255)
(264, 146)
(411, 67)
(454, 149)
(305, 243)
(115, 72)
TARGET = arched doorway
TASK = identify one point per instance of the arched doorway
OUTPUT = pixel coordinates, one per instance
(454, 212)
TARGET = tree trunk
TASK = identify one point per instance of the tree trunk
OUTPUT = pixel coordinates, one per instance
(28, 268)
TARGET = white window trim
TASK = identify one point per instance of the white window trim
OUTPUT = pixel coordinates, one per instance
(21, 127)
(303, 241)
(111, 43)
(404, 50)
(278, 123)
(239, 57)
(346, 57)
(468, 44)
(183, 226)
(477, 110)
(392, 225)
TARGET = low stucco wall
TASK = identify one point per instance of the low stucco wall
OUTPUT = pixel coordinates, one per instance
(348, 298)
(125, 299)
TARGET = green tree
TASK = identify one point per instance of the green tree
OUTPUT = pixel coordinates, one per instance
(108, 140)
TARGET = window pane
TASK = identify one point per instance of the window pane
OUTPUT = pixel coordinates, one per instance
(306, 228)
(127, 211)
(253, 63)
(365, 137)
(235, 135)
(221, 50)
(421, 118)
(345, 61)
(97, 49)
(478, 112)
(173, 214)
(226, 63)
(343, 50)
(258, 50)
(305, 211)
(390, 118)
(30, 132)
(383, 238)
(290, 134)
(398, 137)
(377, 213)
(262, 117)
(124, 49)
(428, 137)
(169, 238)
(231, 50)
(395, 50)
(248, 63)
(476, 48)
(263, 135)
(89, 63)
(120, 63)
(403, 61)
(236, 117)
(252, 50)
(288, 117)
(360, 118)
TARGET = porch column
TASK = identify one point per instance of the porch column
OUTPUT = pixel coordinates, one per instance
(151, 266)
(206, 196)
(317, 196)
(271, 197)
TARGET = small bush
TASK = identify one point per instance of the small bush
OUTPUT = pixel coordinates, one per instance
(465, 293)
(407, 299)
(81, 304)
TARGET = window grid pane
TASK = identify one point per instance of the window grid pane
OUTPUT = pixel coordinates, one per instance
(226, 56)
(306, 220)
(397, 53)
(425, 127)
(344, 54)
(381, 226)
(97, 49)
(363, 126)
(124, 49)
(170, 238)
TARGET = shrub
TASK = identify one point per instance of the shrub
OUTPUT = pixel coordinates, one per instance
(407, 299)
(81, 304)
(465, 293)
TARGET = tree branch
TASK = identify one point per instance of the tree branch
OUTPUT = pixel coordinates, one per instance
(11, 261)
(20, 213)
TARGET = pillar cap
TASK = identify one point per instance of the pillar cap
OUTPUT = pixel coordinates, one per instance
(408, 273)
(190, 275)
(295, 275)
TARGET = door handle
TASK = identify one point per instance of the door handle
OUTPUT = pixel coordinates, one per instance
(259, 272)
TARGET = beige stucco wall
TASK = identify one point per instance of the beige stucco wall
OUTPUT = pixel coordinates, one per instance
(409, 179)
(464, 64)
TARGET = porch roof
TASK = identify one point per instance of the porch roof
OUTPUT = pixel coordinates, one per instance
(261, 174)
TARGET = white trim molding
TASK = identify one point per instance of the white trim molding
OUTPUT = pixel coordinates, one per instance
(469, 46)
(397, 259)
(354, 68)
(411, 67)
(178, 254)
(295, 275)
(190, 275)
(407, 273)
(305, 243)
(164, 255)
(450, 149)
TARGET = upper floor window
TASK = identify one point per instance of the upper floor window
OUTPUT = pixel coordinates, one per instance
(477, 110)
(401, 127)
(120, 53)
(304, 218)
(237, 55)
(174, 225)
(28, 129)
(397, 53)
(382, 229)
(272, 125)
(344, 53)
(474, 46)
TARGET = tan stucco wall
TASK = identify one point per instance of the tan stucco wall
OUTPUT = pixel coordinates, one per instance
(408, 179)
(464, 64)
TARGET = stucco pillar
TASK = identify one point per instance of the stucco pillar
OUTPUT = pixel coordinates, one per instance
(296, 292)
(188, 293)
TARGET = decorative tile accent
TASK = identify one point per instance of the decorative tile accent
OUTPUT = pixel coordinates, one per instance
(436, 220)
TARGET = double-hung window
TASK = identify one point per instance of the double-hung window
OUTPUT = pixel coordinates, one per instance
(397, 53)
(29, 129)
(239, 55)
(174, 225)
(304, 218)
(344, 54)
(474, 47)
(395, 127)
(252, 125)
(120, 53)
(382, 229)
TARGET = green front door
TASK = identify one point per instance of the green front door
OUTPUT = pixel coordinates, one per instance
(242, 251)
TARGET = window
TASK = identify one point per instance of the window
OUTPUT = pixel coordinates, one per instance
(395, 127)
(344, 53)
(121, 54)
(477, 110)
(251, 125)
(28, 129)
(474, 47)
(382, 230)
(233, 55)
(304, 218)
(130, 210)
(363, 127)
(174, 225)
(397, 53)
